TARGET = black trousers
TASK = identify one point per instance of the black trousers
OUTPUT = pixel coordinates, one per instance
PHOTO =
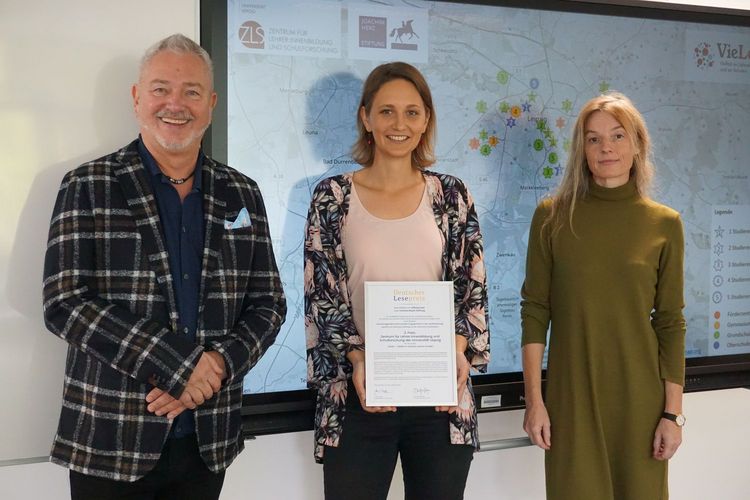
(180, 474)
(362, 466)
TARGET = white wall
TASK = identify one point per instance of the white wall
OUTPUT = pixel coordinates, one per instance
(65, 71)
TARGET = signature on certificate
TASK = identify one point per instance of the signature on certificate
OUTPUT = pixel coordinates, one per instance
(421, 392)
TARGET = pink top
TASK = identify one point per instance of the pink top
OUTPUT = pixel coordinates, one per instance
(407, 249)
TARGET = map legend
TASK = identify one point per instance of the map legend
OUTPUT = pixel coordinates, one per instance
(730, 279)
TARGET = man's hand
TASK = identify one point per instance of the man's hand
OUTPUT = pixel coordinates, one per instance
(162, 403)
(202, 384)
(220, 367)
(205, 380)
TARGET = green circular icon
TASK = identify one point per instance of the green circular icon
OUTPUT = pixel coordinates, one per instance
(538, 144)
(503, 77)
(553, 157)
(717, 334)
(486, 149)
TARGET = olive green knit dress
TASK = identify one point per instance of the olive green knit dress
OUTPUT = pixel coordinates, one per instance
(613, 292)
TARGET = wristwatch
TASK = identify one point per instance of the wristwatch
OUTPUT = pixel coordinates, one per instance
(678, 419)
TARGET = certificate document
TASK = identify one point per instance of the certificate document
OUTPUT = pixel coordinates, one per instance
(410, 353)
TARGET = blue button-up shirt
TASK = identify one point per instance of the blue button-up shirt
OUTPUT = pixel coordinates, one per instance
(182, 225)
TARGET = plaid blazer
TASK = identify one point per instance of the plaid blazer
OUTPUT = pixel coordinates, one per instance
(108, 292)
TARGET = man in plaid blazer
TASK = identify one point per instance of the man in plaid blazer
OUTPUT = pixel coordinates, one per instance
(160, 275)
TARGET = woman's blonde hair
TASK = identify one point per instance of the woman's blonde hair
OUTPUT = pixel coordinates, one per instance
(575, 183)
(363, 150)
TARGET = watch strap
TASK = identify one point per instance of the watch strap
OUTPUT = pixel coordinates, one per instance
(679, 420)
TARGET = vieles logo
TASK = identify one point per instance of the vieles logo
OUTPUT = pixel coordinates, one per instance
(704, 58)
(729, 51)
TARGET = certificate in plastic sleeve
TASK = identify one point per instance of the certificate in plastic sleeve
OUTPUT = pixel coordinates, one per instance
(410, 353)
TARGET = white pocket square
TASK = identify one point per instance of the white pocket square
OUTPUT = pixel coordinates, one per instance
(242, 220)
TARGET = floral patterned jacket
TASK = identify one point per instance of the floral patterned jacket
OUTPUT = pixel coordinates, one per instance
(329, 328)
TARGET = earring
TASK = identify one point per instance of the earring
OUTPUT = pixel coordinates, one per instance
(369, 138)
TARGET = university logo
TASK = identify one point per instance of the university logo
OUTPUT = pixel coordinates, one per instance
(252, 35)
(704, 57)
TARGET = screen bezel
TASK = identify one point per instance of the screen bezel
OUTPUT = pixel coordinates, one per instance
(291, 411)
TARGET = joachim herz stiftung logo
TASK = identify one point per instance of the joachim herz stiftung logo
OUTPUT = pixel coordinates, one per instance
(405, 29)
(373, 34)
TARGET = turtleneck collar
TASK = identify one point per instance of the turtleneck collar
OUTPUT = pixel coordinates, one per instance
(624, 192)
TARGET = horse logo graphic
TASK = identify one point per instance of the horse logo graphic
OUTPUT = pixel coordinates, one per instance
(405, 29)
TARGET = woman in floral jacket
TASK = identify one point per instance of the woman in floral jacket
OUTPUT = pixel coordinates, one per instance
(391, 221)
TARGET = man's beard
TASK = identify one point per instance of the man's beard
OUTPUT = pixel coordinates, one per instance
(175, 146)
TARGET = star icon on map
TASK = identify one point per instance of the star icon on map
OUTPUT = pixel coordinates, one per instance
(719, 232)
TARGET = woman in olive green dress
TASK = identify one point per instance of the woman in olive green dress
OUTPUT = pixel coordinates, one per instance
(605, 269)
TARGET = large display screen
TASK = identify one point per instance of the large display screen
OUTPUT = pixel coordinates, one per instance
(507, 84)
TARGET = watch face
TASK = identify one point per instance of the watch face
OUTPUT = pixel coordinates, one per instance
(680, 420)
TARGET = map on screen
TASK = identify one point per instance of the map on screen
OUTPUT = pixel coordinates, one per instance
(507, 85)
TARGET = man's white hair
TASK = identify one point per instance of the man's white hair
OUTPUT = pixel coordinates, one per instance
(182, 45)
